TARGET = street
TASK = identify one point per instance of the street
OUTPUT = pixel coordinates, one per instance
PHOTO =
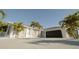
(39, 43)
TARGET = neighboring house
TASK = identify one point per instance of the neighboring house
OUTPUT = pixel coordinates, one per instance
(28, 32)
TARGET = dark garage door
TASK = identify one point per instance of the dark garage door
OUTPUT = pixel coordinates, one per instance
(54, 34)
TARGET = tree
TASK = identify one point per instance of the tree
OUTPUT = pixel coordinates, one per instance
(71, 24)
(35, 24)
(18, 27)
(3, 25)
(2, 14)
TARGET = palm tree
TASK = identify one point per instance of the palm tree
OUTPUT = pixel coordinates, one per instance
(35, 24)
(71, 24)
(2, 24)
(2, 14)
(18, 27)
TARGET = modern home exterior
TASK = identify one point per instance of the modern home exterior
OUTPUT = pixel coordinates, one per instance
(30, 32)
(55, 32)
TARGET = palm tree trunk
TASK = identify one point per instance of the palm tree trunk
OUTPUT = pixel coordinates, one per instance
(74, 34)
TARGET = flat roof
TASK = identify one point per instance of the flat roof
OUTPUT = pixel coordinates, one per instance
(52, 28)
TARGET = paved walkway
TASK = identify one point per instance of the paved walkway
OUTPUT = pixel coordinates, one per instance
(43, 43)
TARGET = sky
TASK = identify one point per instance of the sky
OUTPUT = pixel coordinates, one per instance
(46, 17)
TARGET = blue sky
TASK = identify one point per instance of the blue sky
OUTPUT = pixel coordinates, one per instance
(46, 17)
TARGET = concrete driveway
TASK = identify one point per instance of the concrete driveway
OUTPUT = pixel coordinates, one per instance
(39, 43)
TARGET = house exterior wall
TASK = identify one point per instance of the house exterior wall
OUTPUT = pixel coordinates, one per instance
(63, 31)
(28, 32)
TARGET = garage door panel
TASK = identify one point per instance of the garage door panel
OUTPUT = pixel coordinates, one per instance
(54, 34)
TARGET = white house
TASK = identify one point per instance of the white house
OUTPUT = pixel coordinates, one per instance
(30, 32)
(52, 32)
(55, 32)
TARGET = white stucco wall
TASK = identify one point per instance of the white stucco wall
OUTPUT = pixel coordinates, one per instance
(63, 31)
(34, 33)
(29, 33)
